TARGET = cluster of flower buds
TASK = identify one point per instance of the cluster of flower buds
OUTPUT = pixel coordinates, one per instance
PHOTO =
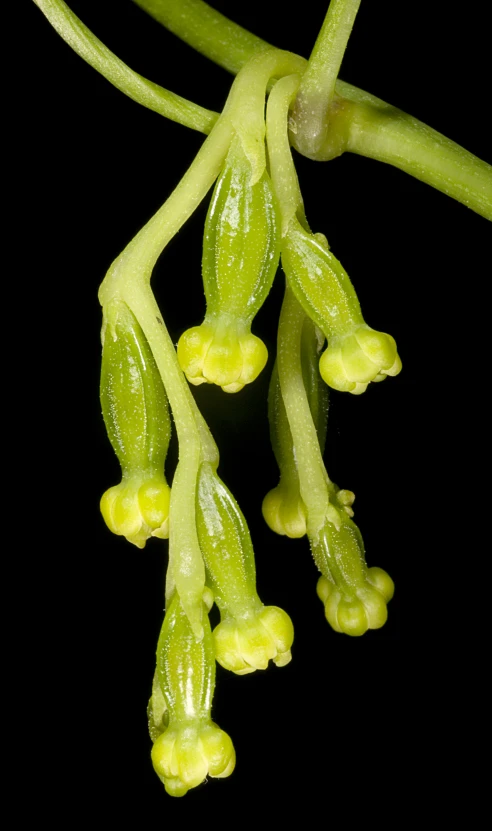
(245, 236)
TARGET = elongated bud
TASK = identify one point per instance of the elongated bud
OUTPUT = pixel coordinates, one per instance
(353, 595)
(190, 746)
(356, 354)
(136, 414)
(283, 508)
(240, 257)
(249, 634)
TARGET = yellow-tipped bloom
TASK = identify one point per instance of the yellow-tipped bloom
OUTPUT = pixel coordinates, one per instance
(244, 645)
(221, 351)
(249, 634)
(138, 509)
(363, 609)
(184, 756)
(352, 361)
(285, 512)
(188, 745)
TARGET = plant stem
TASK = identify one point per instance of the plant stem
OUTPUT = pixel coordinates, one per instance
(379, 126)
(206, 30)
(282, 170)
(313, 478)
(390, 135)
(312, 108)
(144, 92)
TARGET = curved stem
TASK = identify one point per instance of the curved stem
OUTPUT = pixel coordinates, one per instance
(144, 92)
(312, 108)
(206, 30)
(282, 170)
(376, 134)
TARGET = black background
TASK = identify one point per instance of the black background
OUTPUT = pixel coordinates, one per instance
(98, 167)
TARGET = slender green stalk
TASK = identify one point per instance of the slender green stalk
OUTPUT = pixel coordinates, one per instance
(282, 171)
(144, 92)
(312, 109)
(313, 478)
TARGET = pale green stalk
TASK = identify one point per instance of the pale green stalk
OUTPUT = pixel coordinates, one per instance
(312, 109)
(313, 478)
(282, 171)
(379, 127)
(145, 92)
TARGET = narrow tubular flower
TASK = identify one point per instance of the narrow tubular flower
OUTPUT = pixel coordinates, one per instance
(249, 634)
(240, 257)
(356, 354)
(136, 414)
(354, 596)
(188, 746)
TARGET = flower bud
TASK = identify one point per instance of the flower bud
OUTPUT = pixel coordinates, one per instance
(356, 354)
(243, 645)
(354, 596)
(240, 257)
(350, 362)
(250, 634)
(188, 746)
(136, 414)
(221, 351)
(284, 511)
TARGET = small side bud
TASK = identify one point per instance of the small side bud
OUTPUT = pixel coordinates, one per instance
(285, 512)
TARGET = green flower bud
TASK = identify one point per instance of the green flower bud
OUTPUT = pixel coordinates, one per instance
(136, 414)
(249, 634)
(353, 360)
(240, 257)
(356, 354)
(221, 351)
(284, 511)
(354, 596)
(243, 645)
(138, 508)
(188, 746)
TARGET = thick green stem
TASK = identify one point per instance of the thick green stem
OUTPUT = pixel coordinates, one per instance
(389, 135)
(378, 129)
(312, 108)
(206, 30)
(145, 92)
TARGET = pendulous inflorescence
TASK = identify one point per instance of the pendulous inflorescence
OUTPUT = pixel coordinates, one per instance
(256, 221)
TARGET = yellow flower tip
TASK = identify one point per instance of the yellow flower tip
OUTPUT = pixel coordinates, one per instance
(365, 608)
(225, 354)
(284, 512)
(346, 499)
(352, 361)
(137, 510)
(247, 644)
(183, 756)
